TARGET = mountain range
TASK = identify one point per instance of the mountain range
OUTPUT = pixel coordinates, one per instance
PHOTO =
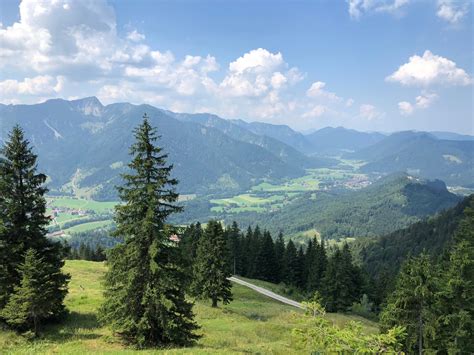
(83, 147)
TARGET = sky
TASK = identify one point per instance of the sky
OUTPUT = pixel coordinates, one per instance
(373, 65)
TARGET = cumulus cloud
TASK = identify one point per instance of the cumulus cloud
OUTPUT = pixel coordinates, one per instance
(369, 112)
(405, 108)
(317, 91)
(359, 7)
(65, 48)
(422, 101)
(451, 11)
(430, 69)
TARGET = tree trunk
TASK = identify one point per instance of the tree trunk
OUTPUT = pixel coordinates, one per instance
(214, 302)
(420, 335)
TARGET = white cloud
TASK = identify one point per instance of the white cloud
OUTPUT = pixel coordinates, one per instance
(317, 91)
(257, 60)
(369, 112)
(425, 100)
(451, 11)
(38, 86)
(422, 101)
(359, 7)
(350, 102)
(428, 70)
(405, 108)
(316, 111)
(64, 48)
(135, 36)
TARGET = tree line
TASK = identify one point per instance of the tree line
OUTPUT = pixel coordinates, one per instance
(255, 254)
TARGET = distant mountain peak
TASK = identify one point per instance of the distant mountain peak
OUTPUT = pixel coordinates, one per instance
(89, 106)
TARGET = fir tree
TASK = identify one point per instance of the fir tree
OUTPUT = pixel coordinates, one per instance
(144, 286)
(291, 264)
(266, 261)
(30, 302)
(280, 258)
(456, 298)
(211, 270)
(412, 304)
(23, 212)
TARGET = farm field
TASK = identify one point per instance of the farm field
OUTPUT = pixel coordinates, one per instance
(252, 323)
(267, 197)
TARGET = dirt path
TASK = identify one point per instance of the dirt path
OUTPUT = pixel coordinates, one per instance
(266, 292)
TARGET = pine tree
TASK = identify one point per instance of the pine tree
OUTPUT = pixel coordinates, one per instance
(211, 270)
(23, 212)
(30, 302)
(412, 304)
(456, 298)
(266, 261)
(234, 246)
(144, 286)
(280, 258)
(291, 264)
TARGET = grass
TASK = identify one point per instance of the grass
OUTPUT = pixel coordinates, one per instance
(82, 204)
(252, 323)
(85, 227)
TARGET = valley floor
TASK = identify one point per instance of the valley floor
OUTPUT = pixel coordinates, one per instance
(252, 323)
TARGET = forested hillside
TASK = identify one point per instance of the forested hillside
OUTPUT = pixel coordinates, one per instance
(389, 204)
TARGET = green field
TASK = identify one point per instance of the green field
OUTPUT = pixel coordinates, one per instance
(81, 204)
(84, 227)
(252, 323)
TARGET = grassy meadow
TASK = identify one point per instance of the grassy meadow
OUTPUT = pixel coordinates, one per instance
(252, 323)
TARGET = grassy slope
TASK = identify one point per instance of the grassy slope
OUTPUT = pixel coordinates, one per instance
(252, 323)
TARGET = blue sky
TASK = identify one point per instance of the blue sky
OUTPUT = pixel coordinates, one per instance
(372, 65)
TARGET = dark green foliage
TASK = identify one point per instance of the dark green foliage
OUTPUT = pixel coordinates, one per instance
(412, 304)
(456, 297)
(22, 210)
(144, 286)
(266, 259)
(434, 299)
(291, 266)
(30, 303)
(280, 257)
(88, 252)
(315, 264)
(342, 282)
(383, 256)
(211, 268)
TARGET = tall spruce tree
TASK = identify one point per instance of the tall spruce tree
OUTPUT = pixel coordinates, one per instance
(144, 286)
(266, 261)
(456, 297)
(412, 304)
(291, 264)
(280, 257)
(211, 269)
(23, 212)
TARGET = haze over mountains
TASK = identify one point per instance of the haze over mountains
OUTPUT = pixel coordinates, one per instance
(84, 145)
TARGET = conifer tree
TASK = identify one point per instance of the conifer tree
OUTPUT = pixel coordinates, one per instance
(30, 302)
(234, 246)
(211, 269)
(456, 298)
(266, 261)
(291, 264)
(144, 286)
(23, 212)
(412, 304)
(280, 257)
